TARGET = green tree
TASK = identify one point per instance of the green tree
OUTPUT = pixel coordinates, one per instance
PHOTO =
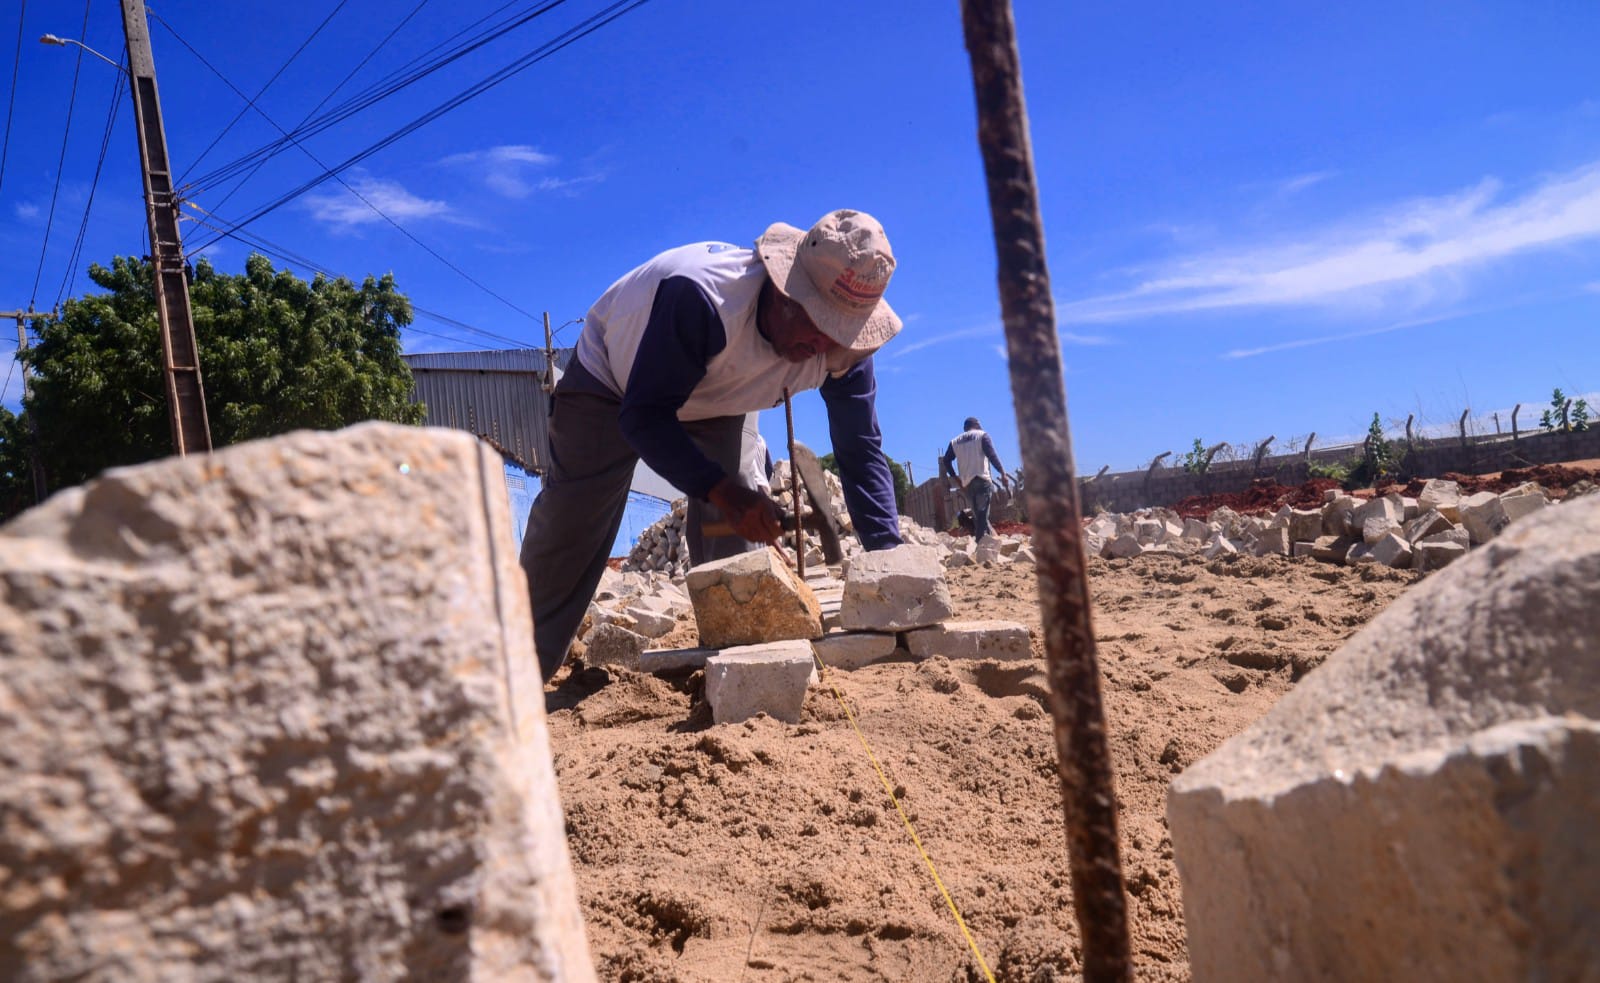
(277, 353)
(1565, 415)
(902, 484)
(1378, 458)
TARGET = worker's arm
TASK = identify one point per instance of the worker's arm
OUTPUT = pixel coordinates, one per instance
(858, 447)
(988, 451)
(682, 336)
(947, 464)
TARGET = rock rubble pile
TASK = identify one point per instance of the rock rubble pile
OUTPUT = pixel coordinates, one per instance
(1423, 533)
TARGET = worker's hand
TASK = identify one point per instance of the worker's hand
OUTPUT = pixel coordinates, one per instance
(753, 515)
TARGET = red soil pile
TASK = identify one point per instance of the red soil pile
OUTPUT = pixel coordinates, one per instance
(1263, 495)
(1554, 478)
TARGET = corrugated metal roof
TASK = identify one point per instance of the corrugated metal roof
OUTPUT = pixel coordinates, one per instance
(497, 395)
(498, 360)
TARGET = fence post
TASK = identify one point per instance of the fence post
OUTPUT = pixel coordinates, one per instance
(1261, 450)
(1150, 474)
(1515, 436)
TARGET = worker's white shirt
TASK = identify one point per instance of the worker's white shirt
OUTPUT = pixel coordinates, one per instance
(971, 462)
(747, 375)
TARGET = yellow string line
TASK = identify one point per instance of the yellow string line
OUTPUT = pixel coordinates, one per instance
(948, 900)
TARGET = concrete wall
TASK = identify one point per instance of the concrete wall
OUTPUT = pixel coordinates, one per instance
(1126, 491)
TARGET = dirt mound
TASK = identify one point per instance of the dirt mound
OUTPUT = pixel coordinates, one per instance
(766, 852)
(1263, 495)
(1554, 478)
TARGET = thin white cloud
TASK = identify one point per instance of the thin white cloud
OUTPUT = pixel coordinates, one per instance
(1301, 182)
(1593, 288)
(505, 170)
(902, 348)
(510, 153)
(26, 210)
(347, 209)
(1406, 255)
(567, 186)
(1284, 346)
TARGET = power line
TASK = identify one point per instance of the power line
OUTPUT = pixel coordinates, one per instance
(331, 93)
(70, 277)
(16, 63)
(364, 199)
(72, 101)
(8, 379)
(388, 86)
(288, 255)
(544, 51)
(252, 102)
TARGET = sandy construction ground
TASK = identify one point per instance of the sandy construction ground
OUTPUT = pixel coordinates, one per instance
(767, 852)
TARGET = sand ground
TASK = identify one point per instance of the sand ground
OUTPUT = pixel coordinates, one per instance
(768, 852)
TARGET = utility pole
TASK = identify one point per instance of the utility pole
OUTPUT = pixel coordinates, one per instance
(34, 467)
(549, 356)
(186, 397)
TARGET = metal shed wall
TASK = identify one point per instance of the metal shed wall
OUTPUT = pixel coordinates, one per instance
(498, 395)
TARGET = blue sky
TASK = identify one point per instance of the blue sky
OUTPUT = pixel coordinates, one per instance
(1262, 219)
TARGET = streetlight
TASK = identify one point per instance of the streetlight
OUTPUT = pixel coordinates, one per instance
(550, 350)
(63, 42)
(186, 398)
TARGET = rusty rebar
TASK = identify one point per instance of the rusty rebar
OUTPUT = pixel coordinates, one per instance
(1039, 395)
(795, 490)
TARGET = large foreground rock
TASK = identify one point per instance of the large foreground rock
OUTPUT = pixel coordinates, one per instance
(1423, 806)
(752, 598)
(274, 713)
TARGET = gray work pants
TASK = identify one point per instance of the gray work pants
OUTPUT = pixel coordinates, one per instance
(575, 519)
(979, 492)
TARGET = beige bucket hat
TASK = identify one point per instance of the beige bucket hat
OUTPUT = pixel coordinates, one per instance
(838, 272)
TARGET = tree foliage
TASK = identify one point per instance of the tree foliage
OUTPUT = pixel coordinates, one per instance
(276, 354)
(1565, 415)
(902, 484)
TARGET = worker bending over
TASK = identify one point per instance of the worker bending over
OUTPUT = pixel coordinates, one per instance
(671, 359)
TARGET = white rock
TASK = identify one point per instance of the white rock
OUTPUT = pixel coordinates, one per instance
(1438, 493)
(1002, 640)
(1393, 550)
(1450, 753)
(852, 650)
(1125, 546)
(274, 712)
(749, 679)
(1376, 527)
(895, 589)
(613, 645)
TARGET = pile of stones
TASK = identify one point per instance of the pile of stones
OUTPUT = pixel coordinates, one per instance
(1423, 533)
(762, 630)
(662, 547)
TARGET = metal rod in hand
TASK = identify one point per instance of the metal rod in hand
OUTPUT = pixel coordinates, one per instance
(794, 490)
(1039, 396)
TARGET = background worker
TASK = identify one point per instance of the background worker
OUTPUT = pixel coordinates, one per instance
(671, 359)
(967, 459)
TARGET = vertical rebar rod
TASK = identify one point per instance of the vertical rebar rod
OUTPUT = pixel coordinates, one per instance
(795, 490)
(1039, 396)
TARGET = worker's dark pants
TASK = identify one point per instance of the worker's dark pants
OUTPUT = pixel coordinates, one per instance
(979, 492)
(575, 519)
